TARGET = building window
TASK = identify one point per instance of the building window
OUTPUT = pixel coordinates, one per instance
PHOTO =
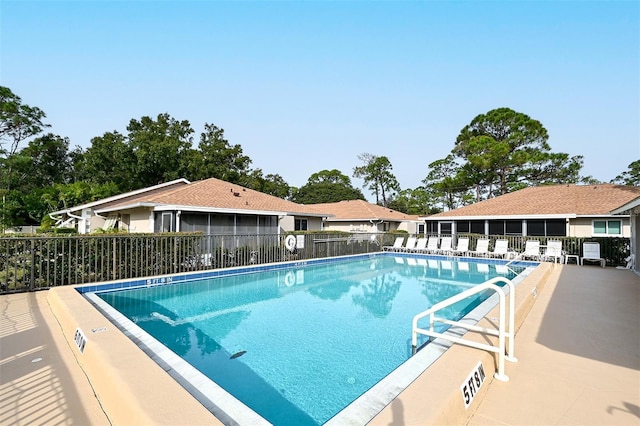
(470, 226)
(607, 227)
(556, 228)
(446, 228)
(505, 227)
(432, 227)
(167, 222)
(477, 226)
(535, 228)
(513, 227)
(125, 221)
(421, 228)
(496, 227)
(301, 225)
(547, 228)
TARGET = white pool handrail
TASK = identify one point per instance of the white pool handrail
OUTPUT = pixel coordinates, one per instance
(502, 333)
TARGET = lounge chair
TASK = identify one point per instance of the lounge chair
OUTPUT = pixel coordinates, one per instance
(591, 253)
(397, 244)
(553, 251)
(531, 250)
(432, 245)
(421, 246)
(445, 246)
(501, 249)
(629, 262)
(462, 248)
(482, 248)
(409, 245)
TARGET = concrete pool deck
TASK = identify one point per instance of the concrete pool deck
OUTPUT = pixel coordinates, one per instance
(578, 351)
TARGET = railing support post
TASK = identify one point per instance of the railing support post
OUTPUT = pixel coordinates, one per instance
(33, 266)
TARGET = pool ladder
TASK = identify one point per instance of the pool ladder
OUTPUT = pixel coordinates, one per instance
(502, 332)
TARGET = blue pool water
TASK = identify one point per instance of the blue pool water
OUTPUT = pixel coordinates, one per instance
(297, 345)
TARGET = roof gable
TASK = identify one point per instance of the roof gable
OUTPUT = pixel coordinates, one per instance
(131, 195)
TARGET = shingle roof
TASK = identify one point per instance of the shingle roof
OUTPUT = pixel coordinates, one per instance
(581, 200)
(215, 194)
(132, 195)
(360, 210)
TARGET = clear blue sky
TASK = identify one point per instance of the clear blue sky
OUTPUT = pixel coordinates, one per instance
(305, 86)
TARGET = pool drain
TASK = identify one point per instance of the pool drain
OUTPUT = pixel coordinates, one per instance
(351, 380)
(237, 354)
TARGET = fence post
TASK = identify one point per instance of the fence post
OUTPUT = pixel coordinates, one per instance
(175, 254)
(33, 265)
(115, 272)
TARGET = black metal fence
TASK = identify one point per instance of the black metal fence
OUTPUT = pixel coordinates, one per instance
(32, 263)
(613, 250)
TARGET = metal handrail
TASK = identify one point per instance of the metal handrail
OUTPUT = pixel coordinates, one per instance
(502, 333)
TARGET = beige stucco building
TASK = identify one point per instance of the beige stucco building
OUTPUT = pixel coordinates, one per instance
(210, 206)
(584, 211)
(364, 217)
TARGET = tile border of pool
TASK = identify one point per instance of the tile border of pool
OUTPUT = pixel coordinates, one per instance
(227, 408)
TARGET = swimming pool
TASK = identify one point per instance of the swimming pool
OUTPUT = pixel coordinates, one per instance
(297, 343)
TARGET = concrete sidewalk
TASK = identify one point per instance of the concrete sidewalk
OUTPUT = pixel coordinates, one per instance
(578, 351)
(41, 382)
(578, 355)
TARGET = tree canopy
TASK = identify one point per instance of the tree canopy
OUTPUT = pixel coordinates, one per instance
(18, 122)
(327, 186)
(500, 152)
(378, 177)
(497, 152)
(631, 176)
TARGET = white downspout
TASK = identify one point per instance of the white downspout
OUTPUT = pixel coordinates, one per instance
(152, 222)
(68, 213)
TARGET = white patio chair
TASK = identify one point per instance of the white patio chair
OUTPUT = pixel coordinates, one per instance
(591, 253)
(396, 245)
(482, 248)
(501, 249)
(432, 245)
(421, 246)
(553, 251)
(445, 246)
(462, 248)
(409, 245)
(531, 250)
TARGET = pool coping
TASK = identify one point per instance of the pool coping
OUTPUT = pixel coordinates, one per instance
(379, 398)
